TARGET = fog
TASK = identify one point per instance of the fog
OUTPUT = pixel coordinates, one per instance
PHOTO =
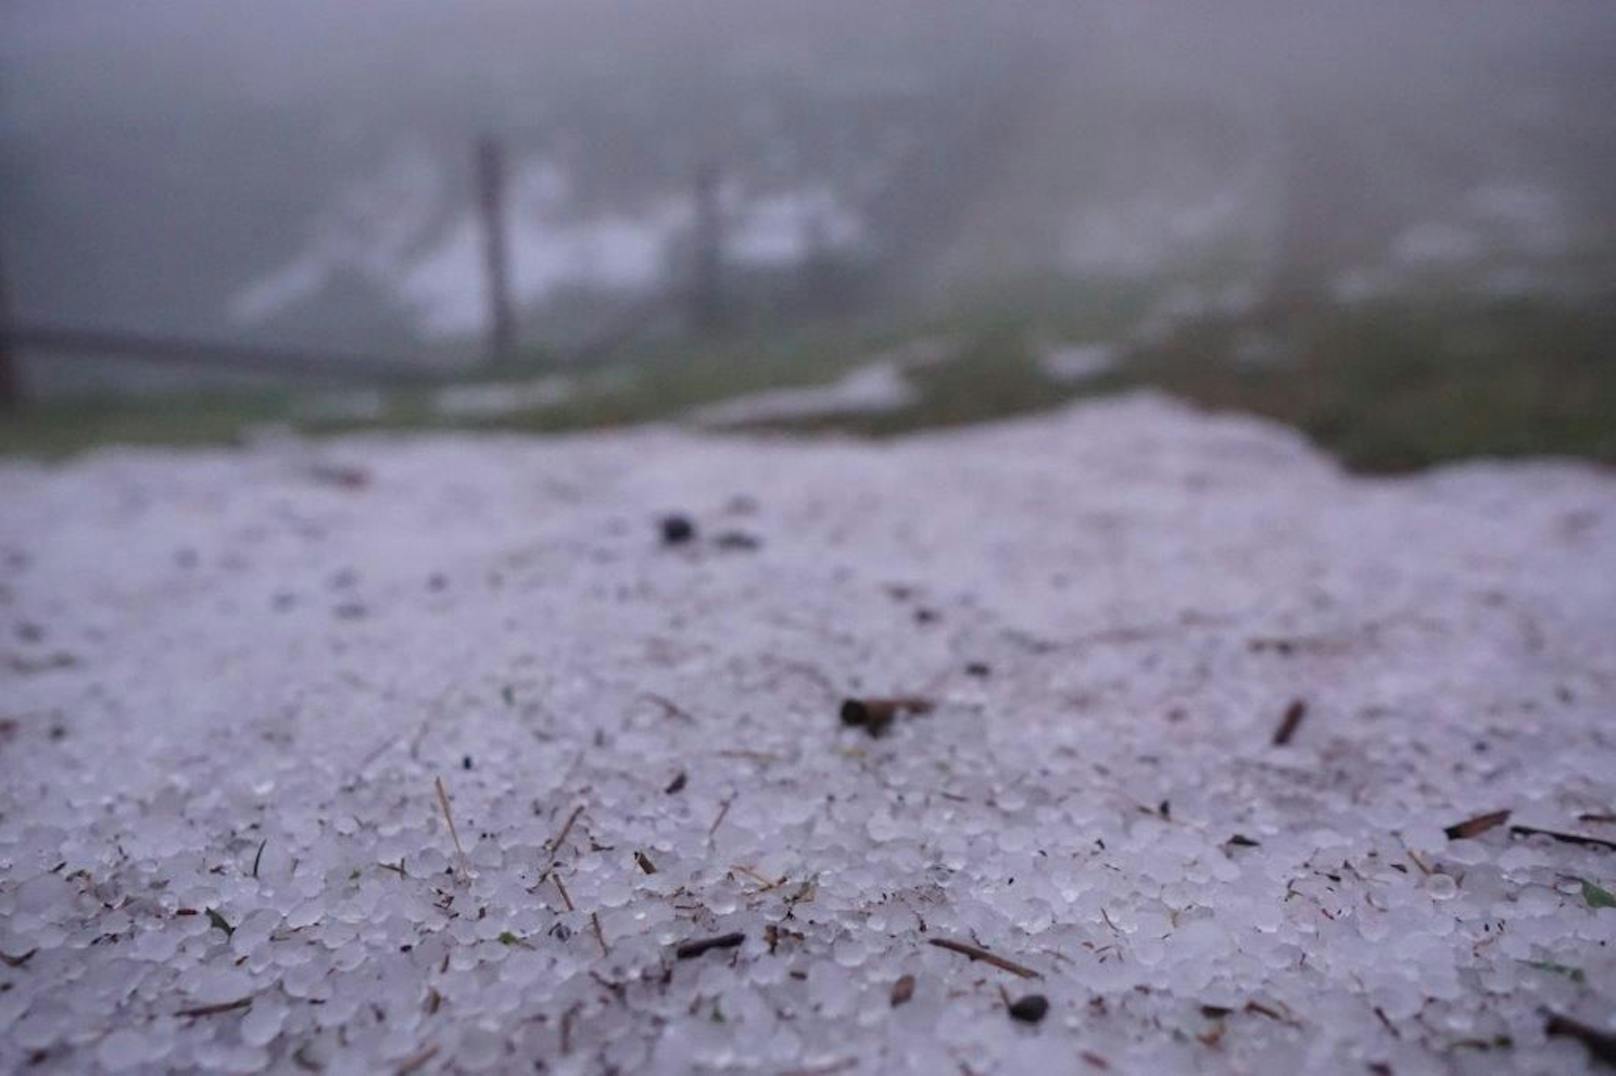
(300, 171)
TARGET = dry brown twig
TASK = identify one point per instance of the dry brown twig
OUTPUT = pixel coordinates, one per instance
(1475, 827)
(463, 865)
(555, 842)
(1290, 722)
(976, 952)
(565, 897)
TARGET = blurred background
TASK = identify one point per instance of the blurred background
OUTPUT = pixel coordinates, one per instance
(1391, 225)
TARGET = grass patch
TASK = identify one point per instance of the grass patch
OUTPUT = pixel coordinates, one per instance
(1387, 386)
(1396, 386)
(56, 429)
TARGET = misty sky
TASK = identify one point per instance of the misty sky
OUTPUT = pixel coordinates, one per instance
(161, 157)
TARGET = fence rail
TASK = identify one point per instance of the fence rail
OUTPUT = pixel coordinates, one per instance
(232, 357)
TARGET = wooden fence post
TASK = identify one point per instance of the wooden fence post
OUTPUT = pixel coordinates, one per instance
(706, 284)
(10, 383)
(490, 168)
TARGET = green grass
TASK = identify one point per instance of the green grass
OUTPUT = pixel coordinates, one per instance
(1400, 385)
(56, 429)
(1389, 386)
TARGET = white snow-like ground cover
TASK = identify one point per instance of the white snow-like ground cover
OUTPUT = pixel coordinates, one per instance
(1075, 363)
(231, 683)
(493, 399)
(876, 387)
(880, 385)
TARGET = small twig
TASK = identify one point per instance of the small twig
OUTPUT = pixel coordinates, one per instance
(448, 816)
(1290, 722)
(17, 961)
(719, 821)
(668, 706)
(1258, 1007)
(418, 1059)
(1568, 838)
(692, 949)
(565, 899)
(594, 922)
(1474, 827)
(767, 884)
(259, 857)
(978, 953)
(214, 1010)
(555, 842)
(644, 862)
(378, 752)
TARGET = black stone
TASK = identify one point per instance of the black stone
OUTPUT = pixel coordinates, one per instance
(677, 530)
(1030, 1009)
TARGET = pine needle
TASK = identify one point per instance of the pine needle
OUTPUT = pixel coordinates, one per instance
(454, 835)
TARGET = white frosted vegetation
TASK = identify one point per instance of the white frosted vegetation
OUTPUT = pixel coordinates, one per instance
(406, 232)
(493, 399)
(874, 388)
(230, 687)
(1076, 363)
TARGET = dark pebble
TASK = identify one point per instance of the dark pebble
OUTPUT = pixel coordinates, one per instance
(854, 712)
(903, 990)
(1030, 1009)
(677, 530)
(874, 716)
(692, 949)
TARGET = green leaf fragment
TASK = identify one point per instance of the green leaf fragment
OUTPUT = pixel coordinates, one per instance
(1596, 896)
(1574, 974)
(219, 921)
